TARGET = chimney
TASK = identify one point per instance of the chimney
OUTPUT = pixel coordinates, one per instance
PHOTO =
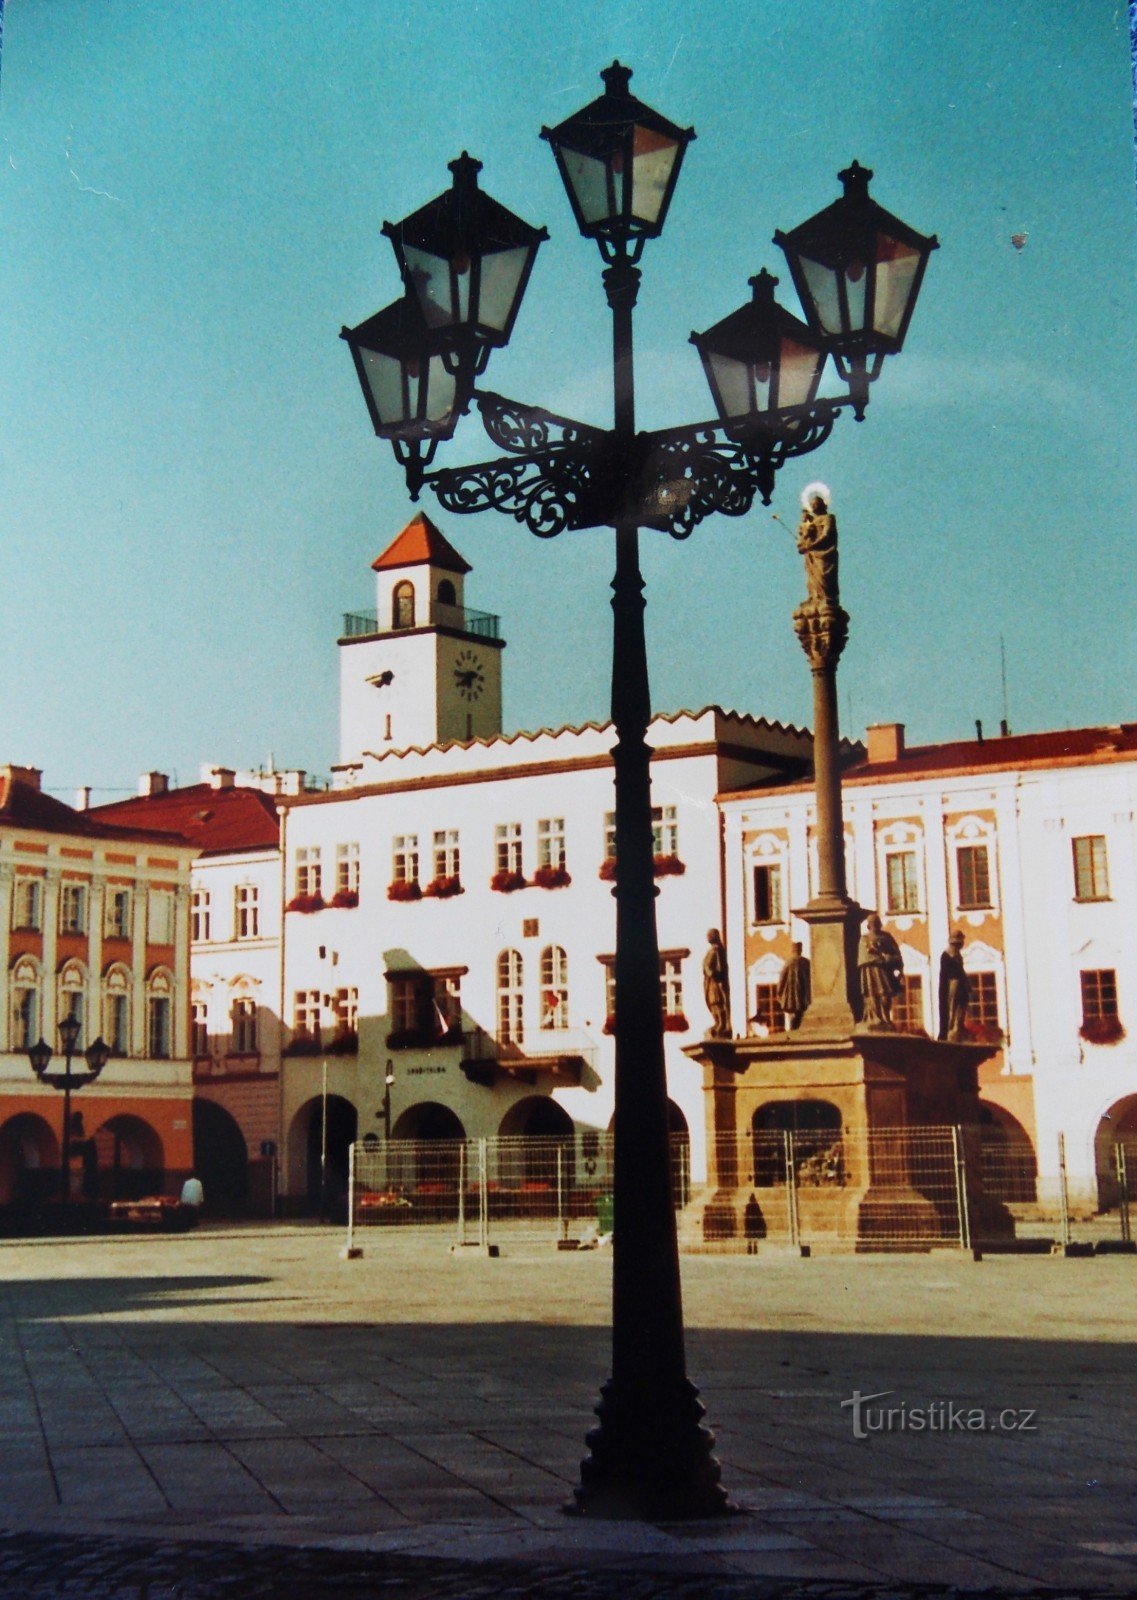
(221, 777)
(978, 731)
(152, 783)
(27, 775)
(83, 798)
(885, 742)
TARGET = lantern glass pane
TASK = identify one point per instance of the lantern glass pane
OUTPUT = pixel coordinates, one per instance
(385, 380)
(653, 157)
(821, 282)
(856, 284)
(441, 391)
(896, 268)
(501, 279)
(796, 374)
(430, 276)
(589, 180)
(731, 382)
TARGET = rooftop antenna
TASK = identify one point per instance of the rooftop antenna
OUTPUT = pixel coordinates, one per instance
(1004, 725)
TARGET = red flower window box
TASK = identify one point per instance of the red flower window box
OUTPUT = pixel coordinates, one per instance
(306, 903)
(1102, 1030)
(507, 880)
(443, 888)
(610, 1023)
(550, 877)
(668, 867)
(404, 889)
(984, 1032)
(345, 899)
(608, 869)
(675, 1022)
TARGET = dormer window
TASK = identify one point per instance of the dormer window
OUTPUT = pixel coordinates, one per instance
(403, 605)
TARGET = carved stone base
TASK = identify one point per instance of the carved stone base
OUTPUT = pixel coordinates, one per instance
(650, 1459)
(834, 931)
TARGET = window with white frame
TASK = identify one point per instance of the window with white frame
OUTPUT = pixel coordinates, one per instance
(551, 842)
(665, 830)
(159, 1016)
(116, 1010)
(72, 907)
(908, 1004)
(426, 1007)
(1099, 995)
(117, 909)
(345, 1016)
(902, 884)
(25, 1016)
(246, 911)
(610, 836)
(507, 846)
(983, 1000)
(973, 877)
(1091, 868)
(347, 869)
(27, 903)
(671, 984)
(447, 857)
(306, 1011)
(243, 1026)
(73, 1000)
(554, 986)
(766, 886)
(200, 1030)
(200, 916)
(160, 916)
(767, 1012)
(404, 858)
(510, 996)
(309, 873)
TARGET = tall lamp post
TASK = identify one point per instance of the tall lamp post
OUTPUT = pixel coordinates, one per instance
(96, 1056)
(465, 262)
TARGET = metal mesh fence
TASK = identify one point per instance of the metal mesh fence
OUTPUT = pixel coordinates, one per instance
(823, 1188)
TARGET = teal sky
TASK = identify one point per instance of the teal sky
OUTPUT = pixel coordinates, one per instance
(190, 495)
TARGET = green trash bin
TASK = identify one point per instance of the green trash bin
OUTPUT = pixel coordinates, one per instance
(605, 1210)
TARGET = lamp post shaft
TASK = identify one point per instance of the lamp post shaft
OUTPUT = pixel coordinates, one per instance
(65, 1143)
(649, 1456)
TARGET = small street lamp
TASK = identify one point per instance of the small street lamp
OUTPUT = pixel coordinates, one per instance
(96, 1056)
(386, 1112)
(465, 262)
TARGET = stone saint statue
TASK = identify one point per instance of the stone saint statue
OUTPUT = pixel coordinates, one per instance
(716, 986)
(794, 989)
(817, 542)
(955, 993)
(879, 966)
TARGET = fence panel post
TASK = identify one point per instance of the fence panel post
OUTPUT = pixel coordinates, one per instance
(483, 1199)
(462, 1193)
(562, 1220)
(1122, 1164)
(959, 1154)
(791, 1189)
(1063, 1190)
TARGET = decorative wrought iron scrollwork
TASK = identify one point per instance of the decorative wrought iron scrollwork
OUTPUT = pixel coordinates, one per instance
(526, 430)
(548, 491)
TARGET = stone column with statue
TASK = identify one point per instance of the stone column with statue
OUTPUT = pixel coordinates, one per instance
(822, 628)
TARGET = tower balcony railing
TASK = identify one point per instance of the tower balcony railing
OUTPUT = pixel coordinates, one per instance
(482, 624)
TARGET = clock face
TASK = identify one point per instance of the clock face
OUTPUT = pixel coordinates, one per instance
(469, 675)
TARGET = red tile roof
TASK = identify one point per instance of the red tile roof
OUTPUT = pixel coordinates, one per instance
(419, 543)
(217, 821)
(1071, 747)
(24, 806)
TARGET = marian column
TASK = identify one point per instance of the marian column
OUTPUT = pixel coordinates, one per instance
(834, 920)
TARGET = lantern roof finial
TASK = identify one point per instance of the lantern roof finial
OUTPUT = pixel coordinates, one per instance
(616, 78)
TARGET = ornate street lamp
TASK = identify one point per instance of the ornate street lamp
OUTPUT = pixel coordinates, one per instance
(619, 160)
(858, 270)
(96, 1055)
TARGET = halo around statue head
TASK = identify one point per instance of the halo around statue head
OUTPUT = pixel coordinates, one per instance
(812, 491)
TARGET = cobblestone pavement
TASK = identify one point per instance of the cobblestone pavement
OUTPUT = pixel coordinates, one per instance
(33, 1565)
(208, 1414)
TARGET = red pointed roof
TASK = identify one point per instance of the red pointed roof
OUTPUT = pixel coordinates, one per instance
(419, 544)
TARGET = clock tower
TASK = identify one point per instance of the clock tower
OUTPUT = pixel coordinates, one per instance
(421, 669)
